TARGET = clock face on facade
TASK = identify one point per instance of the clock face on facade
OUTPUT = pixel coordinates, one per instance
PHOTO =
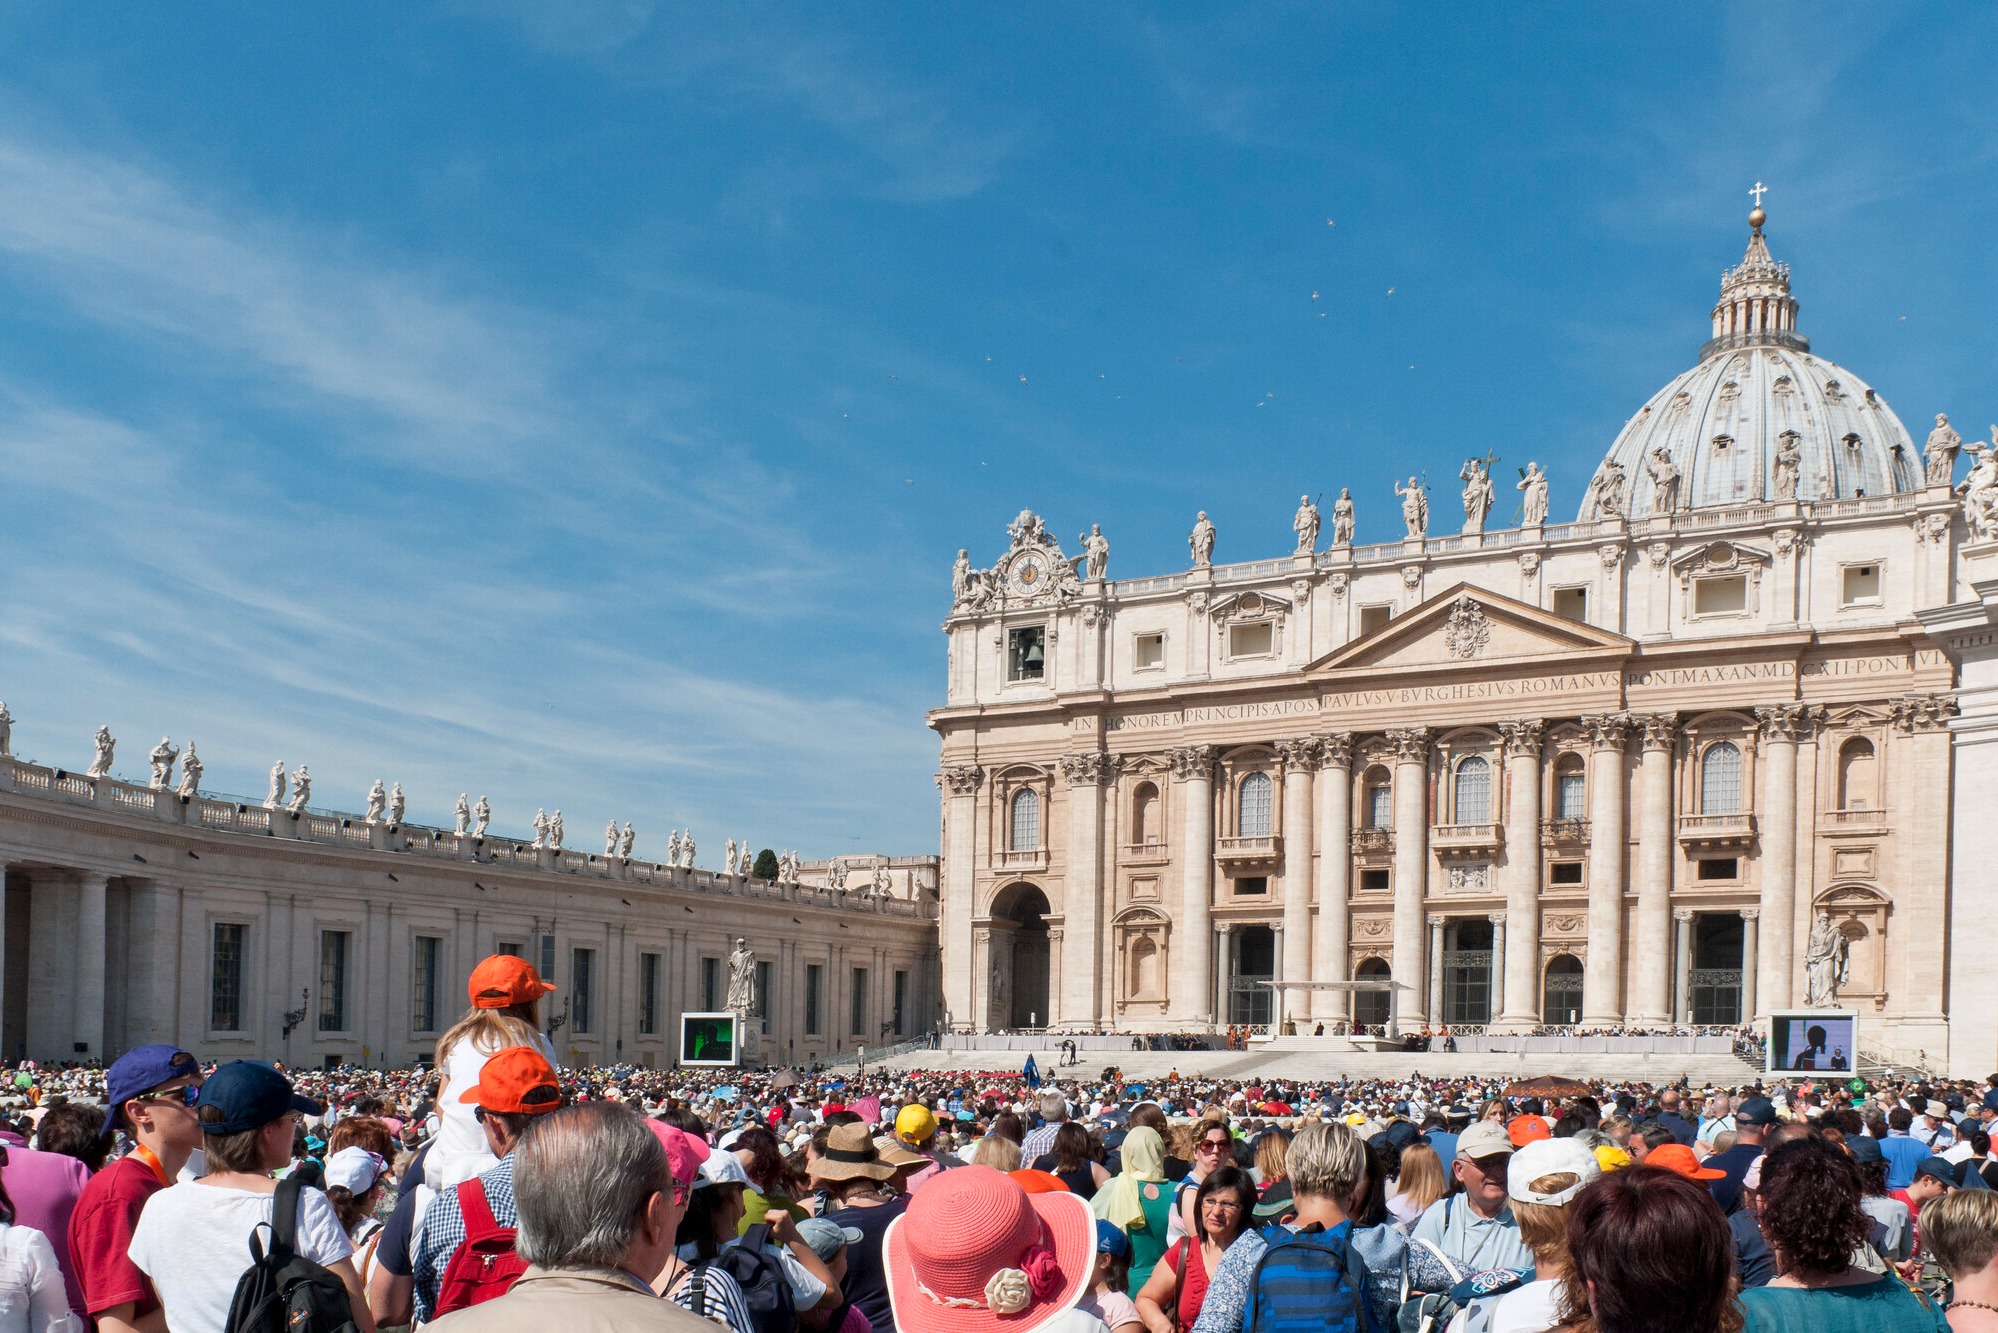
(1029, 573)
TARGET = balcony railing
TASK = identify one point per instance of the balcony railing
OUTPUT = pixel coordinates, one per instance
(1564, 833)
(1855, 821)
(1237, 851)
(1715, 832)
(1367, 841)
(1146, 854)
(1035, 859)
(1455, 840)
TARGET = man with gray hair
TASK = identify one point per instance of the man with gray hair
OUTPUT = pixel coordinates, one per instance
(1054, 1113)
(598, 1207)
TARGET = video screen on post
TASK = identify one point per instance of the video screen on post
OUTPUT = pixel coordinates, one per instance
(707, 1039)
(1812, 1043)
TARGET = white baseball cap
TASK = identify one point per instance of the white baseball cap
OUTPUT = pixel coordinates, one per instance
(1550, 1157)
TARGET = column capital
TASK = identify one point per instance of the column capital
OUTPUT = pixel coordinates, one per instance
(1299, 754)
(1659, 730)
(1607, 731)
(1191, 762)
(1682, 914)
(1790, 722)
(1496, 918)
(1751, 913)
(1523, 736)
(1225, 928)
(1436, 921)
(1336, 751)
(1411, 744)
(961, 779)
(1091, 768)
(1923, 712)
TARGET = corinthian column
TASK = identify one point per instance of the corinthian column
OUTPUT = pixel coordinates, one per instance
(88, 997)
(1521, 982)
(1080, 983)
(1411, 864)
(1193, 974)
(1602, 1006)
(1331, 941)
(1782, 725)
(960, 784)
(1300, 757)
(1650, 992)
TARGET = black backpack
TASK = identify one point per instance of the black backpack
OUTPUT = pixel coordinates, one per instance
(765, 1289)
(282, 1291)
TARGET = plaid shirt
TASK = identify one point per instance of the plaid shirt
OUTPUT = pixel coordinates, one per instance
(442, 1231)
(1040, 1142)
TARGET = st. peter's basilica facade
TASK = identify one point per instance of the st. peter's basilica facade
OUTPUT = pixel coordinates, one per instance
(1636, 769)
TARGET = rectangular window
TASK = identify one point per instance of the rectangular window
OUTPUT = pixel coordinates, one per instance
(548, 958)
(814, 986)
(766, 974)
(333, 980)
(1571, 795)
(1572, 603)
(1862, 586)
(1565, 872)
(508, 947)
(1720, 867)
(1149, 654)
(859, 998)
(1252, 885)
(648, 994)
(1380, 806)
(225, 978)
(901, 1003)
(423, 984)
(1375, 618)
(1376, 881)
(582, 963)
(711, 991)
(1720, 596)
(1027, 653)
(1255, 640)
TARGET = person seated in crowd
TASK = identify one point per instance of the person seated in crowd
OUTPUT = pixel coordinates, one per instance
(1961, 1231)
(1541, 1180)
(715, 1208)
(856, 1180)
(1890, 1222)
(1475, 1230)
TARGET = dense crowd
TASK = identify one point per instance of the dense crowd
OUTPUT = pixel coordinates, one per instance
(497, 1191)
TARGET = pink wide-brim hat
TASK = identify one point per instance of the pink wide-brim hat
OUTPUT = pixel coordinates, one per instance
(965, 1256)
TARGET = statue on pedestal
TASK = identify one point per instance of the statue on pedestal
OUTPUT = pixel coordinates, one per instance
(624, 842)
(1605, 500)
(1476, 475)
(377, 802)
(1342, 518)
(100, 767)
(673, 849)
(301, 790)
(728, 858)
(1414, 506)
(6, 729)
(1664, 481)
(482, 817)
(1827, 961)
(1533, 489)
(1980, 490)
(742, 979)
(1095, 553)
(1939, 454)
(687, 851)
(880, 884)
(397, 804)
(163, 758)
(610, 838)
(274, 798)
(190, 774)
(1789, 464)
(1305, 525)
(1201, 541)
(555, 831)
(540, 829)
(462, 824)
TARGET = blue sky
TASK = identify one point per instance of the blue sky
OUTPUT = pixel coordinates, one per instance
(581, 404)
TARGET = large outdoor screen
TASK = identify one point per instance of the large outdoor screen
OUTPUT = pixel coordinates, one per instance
(707, 1039)
(1813, 1041)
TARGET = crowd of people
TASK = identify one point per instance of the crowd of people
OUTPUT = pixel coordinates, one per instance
(496, 1190)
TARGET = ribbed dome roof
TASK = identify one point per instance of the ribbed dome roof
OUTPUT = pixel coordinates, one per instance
(1721, 422)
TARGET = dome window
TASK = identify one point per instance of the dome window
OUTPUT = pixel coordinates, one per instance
(1730, 390)
(1722, 443)
(1834, 390)
(1872, 398)
(1782, 385)
(1681, 401)
(1851, 441)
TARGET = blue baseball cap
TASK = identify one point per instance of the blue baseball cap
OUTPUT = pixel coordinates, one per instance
(249, 1094)
(1111, 1240)
(143, 1068)
(1864, 1149)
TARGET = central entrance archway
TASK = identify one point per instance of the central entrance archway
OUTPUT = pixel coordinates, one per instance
(1017, 988)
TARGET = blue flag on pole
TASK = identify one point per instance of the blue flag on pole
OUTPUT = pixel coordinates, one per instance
(1032, 1073)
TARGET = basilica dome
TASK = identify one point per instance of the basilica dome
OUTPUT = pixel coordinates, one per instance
(1724, 423)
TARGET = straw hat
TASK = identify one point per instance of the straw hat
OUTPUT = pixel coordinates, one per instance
(975, 1253)
(850, 1155)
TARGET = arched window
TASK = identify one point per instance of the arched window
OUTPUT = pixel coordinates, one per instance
(1256, 806)
(1145, 815)
(1472, 798)
(1855, 774)
(1370, 1007)
(1561, 993)
(1026, 822)
(1379, 811)
(1571, 788)
(1720, 779)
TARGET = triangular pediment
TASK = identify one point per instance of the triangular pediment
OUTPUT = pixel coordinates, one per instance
(1471, 627)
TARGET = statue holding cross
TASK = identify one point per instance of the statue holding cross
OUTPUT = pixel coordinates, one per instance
(1477, 478)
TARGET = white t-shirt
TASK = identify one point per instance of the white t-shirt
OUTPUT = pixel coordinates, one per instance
(193, 1241)
(31, 1293)
(461, 1151)
(1533, 1308)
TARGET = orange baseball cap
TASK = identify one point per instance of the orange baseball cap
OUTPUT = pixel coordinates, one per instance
(516, 1081)
(1525, 1129)
(502, 981)
(1038, 1182)
(1678, 1157)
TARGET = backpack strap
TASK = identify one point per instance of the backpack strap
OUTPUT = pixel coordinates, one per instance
(478, 1213)
(284, 1215)
(757, 1237)
(1360, 1279)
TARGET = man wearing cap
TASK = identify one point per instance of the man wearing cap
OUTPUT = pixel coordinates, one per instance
(1542, 1179)
(1752, 1120)
(1933, 1179)
(1937, 1130)
(916, 1130)
(516, 1085)
(149, 1093)
(193, 1239)
(1476, 1230)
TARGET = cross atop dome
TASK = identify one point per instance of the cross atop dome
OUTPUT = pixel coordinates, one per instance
(1756, 217)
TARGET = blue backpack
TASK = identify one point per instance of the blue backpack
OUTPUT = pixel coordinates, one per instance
(1308, 1281)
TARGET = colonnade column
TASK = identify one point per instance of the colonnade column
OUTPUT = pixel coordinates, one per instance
(1435, 956)
(1650, 1000)
(1682, 968)
(1520, 1010)
(958, 890)
(1193, 974)
(1411, 864)
(1602, 1005)
(1749, 989)
(1497, 978)
(1224, 972)
(88, 995)
(1300, 757)
(1331, 941)
(1775, 956)
(1077, 981)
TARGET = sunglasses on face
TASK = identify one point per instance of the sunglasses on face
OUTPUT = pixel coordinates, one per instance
(1213, 1145)
(182, 1096)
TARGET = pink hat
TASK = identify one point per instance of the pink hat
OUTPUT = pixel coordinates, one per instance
(684, 1153)
(975, 1253)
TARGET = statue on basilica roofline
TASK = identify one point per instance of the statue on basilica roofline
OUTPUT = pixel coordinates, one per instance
(190, 774)
(1414, 506)
(1533, 491)
(462, 824)
(1476, 475)
(1789, 464)
(687, 851)
(1305, 525)
(1095, 555)
(1939, 454)
(6, 729)
(397, 804)
(163, 758)
(274, 798)
(1342, 518)
(610, 838)
(100, 767)
(555, 831)
(1980, 490)
(625, 841)
(1606, 494)
(377, 802)
(1201, 541)
(482, 817)
(540, 829)
(301, 790)
(1664, 481)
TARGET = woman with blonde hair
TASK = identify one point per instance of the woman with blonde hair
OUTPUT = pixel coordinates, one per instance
(996, 1151)
(1960, 1229)
(506, 1011)
(1420, 1183)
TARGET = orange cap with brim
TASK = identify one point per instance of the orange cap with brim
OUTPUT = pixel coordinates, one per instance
(516, 1081)
(503, 981)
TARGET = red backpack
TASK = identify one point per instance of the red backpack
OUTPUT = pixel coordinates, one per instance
(486, 1265)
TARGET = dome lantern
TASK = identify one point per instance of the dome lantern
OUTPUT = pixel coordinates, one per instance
(1755, 307)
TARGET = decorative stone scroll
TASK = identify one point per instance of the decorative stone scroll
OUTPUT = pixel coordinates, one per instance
(1336, 751)
(1191, 761)
(1467, 632)
(1523, 736)
(1789, 722)
(1924, 712)
(1659, 729)
(1091, 769)
(1607, 731)
(961, 780)
(1410, 743)
(1299, 755)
